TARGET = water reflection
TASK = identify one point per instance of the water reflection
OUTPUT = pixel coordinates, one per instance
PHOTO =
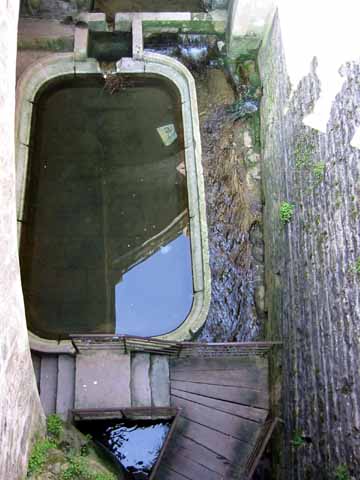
(158, 289)
(106, 193)
(136, 445)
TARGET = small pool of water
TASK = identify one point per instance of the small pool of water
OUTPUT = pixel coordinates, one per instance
(105, 244)
(136, 445)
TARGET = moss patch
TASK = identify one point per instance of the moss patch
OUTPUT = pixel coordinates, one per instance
(65, 44)
(39, 456)
(286, 212)
(67, 454)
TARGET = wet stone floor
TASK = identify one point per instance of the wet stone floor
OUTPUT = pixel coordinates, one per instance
(231, 163)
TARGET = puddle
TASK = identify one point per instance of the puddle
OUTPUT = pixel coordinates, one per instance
(136, 445)
(105, 239)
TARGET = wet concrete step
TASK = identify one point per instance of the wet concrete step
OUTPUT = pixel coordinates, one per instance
(140, 380)
(160, 381)
(65, 386)
(102, 380)
(150, 380)
(48, 383)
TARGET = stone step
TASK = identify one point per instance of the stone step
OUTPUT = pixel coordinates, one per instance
(48, 383)
(65, 386)
(160, 381)
(102, 380)
(140, 380)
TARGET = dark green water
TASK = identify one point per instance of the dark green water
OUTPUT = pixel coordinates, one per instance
(105, 245)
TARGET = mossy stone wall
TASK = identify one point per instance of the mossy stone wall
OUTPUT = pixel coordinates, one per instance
(312, 285)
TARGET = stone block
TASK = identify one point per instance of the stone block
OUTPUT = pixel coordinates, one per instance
(102, 380)
(160, 381)
(81, 43)
(140, 380)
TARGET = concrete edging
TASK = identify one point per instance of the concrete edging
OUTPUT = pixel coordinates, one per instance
(59, 65)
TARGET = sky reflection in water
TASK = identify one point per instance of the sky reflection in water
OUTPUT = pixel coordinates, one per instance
(156, 295)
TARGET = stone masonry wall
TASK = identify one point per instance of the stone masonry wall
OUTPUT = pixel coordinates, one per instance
(20, 410)
(312, 268)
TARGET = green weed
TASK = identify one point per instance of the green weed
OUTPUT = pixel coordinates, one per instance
(318, 171)
(355, 268)
(38, 455)
(342, 473)
(78, 470)
(286, 212)
(297, 440)
(54, 425)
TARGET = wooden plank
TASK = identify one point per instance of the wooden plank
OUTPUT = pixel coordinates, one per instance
(251, 378)
(240, 428)
(188, 467)
(164, 473)
(254, 414)
(221, 363)
(230, 448)
(238, 395)
(201, 454)
(259, 450)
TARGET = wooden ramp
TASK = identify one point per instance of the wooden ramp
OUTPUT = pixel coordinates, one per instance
(224, 404)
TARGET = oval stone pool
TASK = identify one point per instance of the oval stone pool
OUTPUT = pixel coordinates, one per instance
(105, 245)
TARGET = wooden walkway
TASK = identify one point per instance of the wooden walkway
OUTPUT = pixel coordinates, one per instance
(224, 404)
(221, 393)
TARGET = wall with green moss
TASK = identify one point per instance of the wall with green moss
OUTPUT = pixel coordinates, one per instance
(312, 275)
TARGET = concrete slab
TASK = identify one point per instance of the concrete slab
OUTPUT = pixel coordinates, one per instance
(102, 380)
(140, 380)
(65, 386)
(159, 380)
(48, 383)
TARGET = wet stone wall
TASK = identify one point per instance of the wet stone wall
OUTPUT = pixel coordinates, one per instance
(20, 410)
(231, 163)
(312, 269)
